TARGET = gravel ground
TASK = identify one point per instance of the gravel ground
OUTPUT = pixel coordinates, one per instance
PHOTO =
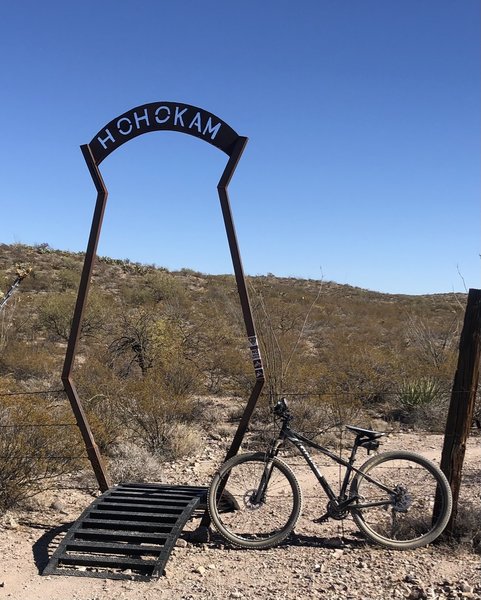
(314, 563)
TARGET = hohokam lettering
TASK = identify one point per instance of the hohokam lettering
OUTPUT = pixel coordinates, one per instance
(182, 118)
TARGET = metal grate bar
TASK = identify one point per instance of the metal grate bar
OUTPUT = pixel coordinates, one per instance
(121, 536)
(119, 516)
(170, 501)
(146, 508)
(128, 525)
(93, 560)
(103, 547)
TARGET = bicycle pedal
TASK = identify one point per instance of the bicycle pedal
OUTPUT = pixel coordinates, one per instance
(322, 519)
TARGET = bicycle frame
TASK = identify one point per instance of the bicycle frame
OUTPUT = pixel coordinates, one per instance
(299, 441)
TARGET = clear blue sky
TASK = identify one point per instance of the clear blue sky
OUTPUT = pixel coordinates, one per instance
(362, 116)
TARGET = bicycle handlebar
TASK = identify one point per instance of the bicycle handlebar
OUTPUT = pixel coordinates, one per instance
(281, 409)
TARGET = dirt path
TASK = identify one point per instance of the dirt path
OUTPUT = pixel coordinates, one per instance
(312, 565)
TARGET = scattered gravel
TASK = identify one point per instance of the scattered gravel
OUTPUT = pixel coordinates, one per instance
(329, 561)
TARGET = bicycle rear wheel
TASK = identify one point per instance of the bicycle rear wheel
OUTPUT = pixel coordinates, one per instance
(237, 515)
(405, 521)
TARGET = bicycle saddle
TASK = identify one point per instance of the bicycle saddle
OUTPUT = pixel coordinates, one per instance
(371, 435)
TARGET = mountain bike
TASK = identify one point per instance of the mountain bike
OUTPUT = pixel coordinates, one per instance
(255, 500)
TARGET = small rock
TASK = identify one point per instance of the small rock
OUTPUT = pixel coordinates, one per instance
(2, 584)
(417, 593)
(181, 543)
(10, 522)
(235, 594)
(431, 594)
(319, 568)
(200, 570)
(465, 587)
(338, 553)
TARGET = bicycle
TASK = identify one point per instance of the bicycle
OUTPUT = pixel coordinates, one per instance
(255, 500)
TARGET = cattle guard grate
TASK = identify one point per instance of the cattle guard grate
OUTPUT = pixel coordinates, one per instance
(127, 533)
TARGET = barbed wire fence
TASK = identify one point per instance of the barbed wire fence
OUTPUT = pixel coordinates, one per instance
(41, 446)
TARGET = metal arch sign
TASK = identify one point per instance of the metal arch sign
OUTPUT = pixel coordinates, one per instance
(158, 116)
(202, 124)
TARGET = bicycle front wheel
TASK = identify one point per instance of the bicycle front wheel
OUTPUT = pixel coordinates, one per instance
(401, 519)
(240, 515)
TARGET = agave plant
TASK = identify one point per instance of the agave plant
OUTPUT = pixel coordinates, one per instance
(418, 393)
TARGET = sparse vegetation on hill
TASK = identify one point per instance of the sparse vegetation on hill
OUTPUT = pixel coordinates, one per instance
(154, 343)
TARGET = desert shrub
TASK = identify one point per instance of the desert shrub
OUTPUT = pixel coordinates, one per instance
(55, 314)
(181, 378)
(224, 431)
(69, 278)
(154, 287)
(25, 360)
(182, 439)
(434, 344)
(33, 451)
(146, 341)
(214, 352)
(132, 463)
(6, 323)
(163, 435)
(153, 417)
(468, 523)
(104, 419)
(324, 415)
(99, 389)
(164, 287)
(133, 343)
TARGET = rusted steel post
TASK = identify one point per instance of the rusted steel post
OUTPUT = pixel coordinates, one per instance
(246, 312)
(463, 396)
(243, 294)
(82, 421)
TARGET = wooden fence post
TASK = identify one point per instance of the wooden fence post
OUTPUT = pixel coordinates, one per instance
(463, 396)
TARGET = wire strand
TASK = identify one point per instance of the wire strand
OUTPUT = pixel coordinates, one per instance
(4, 394)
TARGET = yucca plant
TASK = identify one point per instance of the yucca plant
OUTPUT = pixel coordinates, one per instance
(418, 393)
(423, 402)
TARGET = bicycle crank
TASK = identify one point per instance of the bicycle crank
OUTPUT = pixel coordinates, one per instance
(335, 510)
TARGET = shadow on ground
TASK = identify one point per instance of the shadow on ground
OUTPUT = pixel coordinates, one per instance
(44, 547)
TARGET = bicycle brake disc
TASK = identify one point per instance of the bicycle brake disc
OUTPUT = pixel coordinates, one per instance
(249, 503)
